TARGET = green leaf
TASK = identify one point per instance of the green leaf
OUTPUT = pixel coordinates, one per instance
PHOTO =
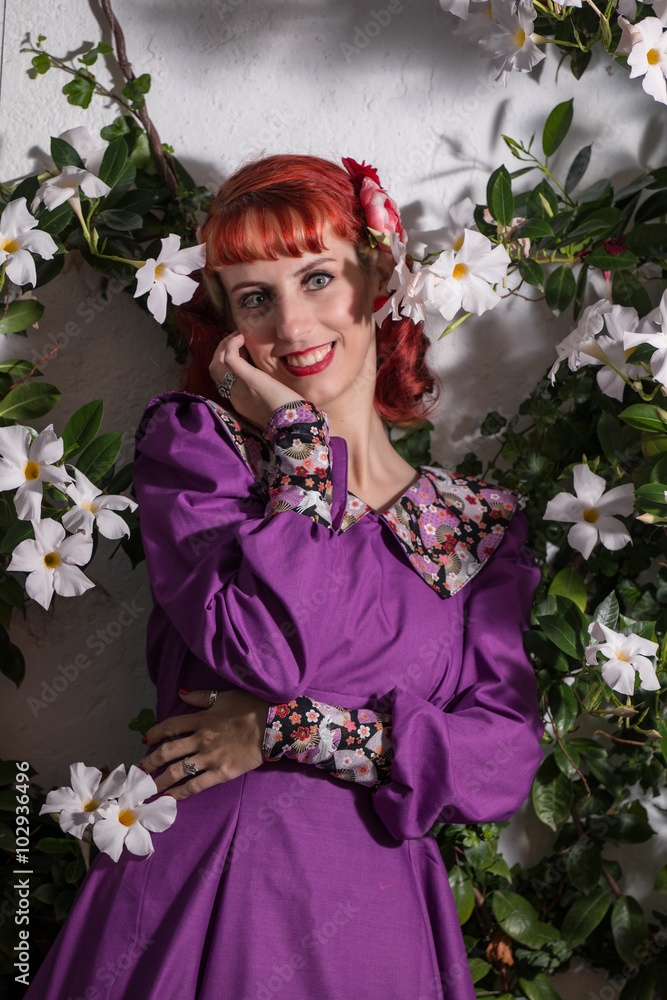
(464, 894)
(568, 583)
(644, 417)
(520, 921)
(113, 162)
(595, 223)
(641, 986)
(82, 427)
(79, 91)
(660, 884)
(46, 893)
(538, 988)
(18, 367)
(532, 273)
(610, 437)
(651, 499)
(564, 707)
(143, 722)
(607, 611)
(499, 196)
(20, 315)
(41, 62)
(551, 794)
(135, 90)
(56, 220)
(29, 400)
(652, 208)
(56, 845)
(606, 261)
(99, 456)
(584, 868)
(19, 531)
(116, 218)
(647, 239)
(534, 229)
(542, 201)
(557, 127)
(65, 155)
(478, 968)
(559, 289)
(561, 634)
(578, 168)
(63, 903)
(12, 664)
(629, 928)
(584, 916)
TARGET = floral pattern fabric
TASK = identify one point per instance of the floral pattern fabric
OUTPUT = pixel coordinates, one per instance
(353, 745)
(448, 524)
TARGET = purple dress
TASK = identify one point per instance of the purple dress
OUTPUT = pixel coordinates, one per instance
(267, 574)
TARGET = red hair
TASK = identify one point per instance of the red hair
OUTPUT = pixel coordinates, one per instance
(278, 207)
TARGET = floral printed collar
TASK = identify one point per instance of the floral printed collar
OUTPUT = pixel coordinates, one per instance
(448, 524)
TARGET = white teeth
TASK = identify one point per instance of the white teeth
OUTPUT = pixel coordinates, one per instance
(304, 360)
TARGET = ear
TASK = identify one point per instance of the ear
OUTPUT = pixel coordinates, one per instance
(384, 268)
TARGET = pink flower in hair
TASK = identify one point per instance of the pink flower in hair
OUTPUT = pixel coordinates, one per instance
(382, 215)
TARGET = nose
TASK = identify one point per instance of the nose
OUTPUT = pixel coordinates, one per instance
(294, 322)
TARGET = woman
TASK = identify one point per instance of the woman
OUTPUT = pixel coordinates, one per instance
(336, 639)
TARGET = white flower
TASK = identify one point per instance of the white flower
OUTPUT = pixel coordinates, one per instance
(510, 45)
(648, 57)
(461, 217)
(407, 288)
(129, 820)
(633, 338)
(88, 509)
(29, 464)
(166, 275)
(625, 655)
(52, 562)
(591, 510)
(65, 186)
(18, 242)
(463, 278)
(459, 7)
(611, 348)
(80, 805)
(582, 337)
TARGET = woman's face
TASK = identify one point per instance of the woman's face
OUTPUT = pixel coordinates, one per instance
(319, 307)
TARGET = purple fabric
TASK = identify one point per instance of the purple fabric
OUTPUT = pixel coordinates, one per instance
(286, 882)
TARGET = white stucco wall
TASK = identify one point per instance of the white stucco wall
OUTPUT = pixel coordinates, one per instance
(233, 79)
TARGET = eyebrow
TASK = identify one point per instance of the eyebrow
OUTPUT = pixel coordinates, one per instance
(297, 274)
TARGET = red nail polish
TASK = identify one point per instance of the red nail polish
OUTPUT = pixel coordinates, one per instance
(168, 793)
(185, 690)
(144, 740)
(142, 768)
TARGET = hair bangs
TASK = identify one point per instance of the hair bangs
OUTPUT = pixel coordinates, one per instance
(267, 229)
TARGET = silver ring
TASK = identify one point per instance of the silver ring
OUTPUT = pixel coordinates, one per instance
(189, 769)
(212, 698)
(226, 384)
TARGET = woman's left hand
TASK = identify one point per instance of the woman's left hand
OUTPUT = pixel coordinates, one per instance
(224, 741)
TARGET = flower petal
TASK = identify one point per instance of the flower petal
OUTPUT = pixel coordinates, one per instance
(70, 581)
(619, 675)
(76, 549)
(28, 500)
(582, 537)
(16, 219)
(588, 486)
(647, 675)
(20, 268)
(158, 815)
(39, 586)
(138, 840)
(15, 444)
(109, 835)
(613, 533)
(111, 525)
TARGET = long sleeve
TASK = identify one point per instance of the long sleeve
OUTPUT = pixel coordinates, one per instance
(236, 576)
(473, 759)
(350, 744)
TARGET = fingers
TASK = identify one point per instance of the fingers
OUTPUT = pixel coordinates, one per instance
(174, 726)
(200, 699)
(172, 750)
(207, 779)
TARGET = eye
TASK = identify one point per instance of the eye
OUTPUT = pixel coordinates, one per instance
(318, 280)
(254, 300)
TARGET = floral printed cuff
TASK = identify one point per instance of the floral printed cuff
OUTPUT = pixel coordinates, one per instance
(301, 481)
(353, 745)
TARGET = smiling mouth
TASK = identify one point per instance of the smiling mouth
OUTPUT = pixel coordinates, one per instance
(307, 359)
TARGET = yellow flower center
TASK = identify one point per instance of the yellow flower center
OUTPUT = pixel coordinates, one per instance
(458, 243)
(51, 560)
(126, 817)
(31, 471)
(460, 271)
(159, 271)
(591, 515)
(620, 655)
(520, 38)
(9, 245)
(653, 57)
(91, 806)
(89, 506)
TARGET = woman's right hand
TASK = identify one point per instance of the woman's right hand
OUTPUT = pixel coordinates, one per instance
(255, 394)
